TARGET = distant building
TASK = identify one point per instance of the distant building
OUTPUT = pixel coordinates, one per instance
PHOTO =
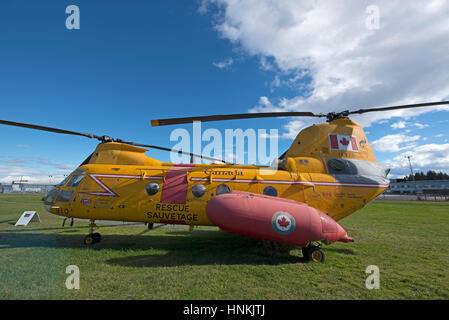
(438, 187)
(5, 188)
(16, 187)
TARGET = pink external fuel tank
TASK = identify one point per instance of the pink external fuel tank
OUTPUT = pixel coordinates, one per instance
(274, 219)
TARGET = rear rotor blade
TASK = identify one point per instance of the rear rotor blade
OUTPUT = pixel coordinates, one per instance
(407, 106)
(171, 121)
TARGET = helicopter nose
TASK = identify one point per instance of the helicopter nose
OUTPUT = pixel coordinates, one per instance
(49, 198)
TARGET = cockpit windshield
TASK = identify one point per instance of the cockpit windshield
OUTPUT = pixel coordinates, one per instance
(63, 181)
(49, 199)
(76, 179)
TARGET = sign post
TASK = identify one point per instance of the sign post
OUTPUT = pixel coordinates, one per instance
(27, 217)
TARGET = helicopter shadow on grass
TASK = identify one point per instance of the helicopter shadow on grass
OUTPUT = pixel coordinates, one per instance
(178, 248)
(208, 248)
(10, 221)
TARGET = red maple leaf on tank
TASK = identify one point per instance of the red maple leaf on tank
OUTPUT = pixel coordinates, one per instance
(283, 222)
(344, 141)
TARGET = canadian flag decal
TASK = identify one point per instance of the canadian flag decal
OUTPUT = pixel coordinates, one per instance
(343, 142)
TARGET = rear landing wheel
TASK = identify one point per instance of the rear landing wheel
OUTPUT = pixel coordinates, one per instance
(305, 251)
(315, 254)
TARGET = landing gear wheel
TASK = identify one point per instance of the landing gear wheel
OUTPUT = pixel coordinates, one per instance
(92, 238)
(97, 237)
(315, 254)
(305, 251)
(89, 240)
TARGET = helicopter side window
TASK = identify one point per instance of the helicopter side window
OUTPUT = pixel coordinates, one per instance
(270, 191)
(222, 188)
(152, 188)
(198, 190)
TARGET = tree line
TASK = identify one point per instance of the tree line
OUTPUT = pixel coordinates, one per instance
(430, 175)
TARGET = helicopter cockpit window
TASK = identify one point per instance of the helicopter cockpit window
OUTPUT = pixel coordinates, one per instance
(64, 196)
(63, 181)
(50, 197)
(222, 188)
(76, 179)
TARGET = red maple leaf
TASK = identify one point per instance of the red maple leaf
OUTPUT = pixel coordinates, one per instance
(344, 141)
(283, 222)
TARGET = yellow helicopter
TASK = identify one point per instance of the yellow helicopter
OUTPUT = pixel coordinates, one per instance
(328, 173)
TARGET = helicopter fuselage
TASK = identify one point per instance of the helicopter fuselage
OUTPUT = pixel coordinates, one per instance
(179, 193)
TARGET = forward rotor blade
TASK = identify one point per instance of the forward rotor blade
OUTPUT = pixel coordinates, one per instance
(101, 138)
(50, 129)
(174, 150)
(407, 106)
(171, 121)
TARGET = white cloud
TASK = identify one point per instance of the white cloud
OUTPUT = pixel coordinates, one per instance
(420, 125)
(265, 64)
(347, 65)
(292, 129)
(402, 124)
(398, 125)
(224, 64)
(394, 143)
(31, 175)
(423, 158)
(33, 169)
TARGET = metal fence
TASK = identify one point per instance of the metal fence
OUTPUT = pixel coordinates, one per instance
(426, 195)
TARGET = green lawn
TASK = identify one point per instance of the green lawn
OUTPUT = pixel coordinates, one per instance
(406, 240)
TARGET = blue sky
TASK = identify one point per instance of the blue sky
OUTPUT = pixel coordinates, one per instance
(130, 63)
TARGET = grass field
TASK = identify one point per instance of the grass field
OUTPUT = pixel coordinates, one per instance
(406, 240)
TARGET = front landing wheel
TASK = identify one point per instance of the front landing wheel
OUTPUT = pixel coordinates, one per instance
(97, 237)
(89, 240)
(92, 238)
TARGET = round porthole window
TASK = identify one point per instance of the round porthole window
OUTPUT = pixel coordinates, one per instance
(270, 191)
(152, 188)
(198, 190)
(222, 188)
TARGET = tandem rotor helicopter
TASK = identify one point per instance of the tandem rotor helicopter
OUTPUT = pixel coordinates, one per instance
(328, 173)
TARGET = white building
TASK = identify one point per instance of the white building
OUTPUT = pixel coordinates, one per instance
(16, 187)
(419, 187)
